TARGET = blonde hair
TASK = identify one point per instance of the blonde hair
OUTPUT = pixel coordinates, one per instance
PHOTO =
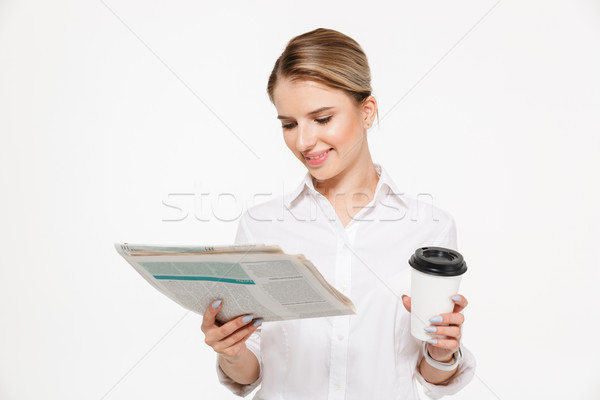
(328, 57)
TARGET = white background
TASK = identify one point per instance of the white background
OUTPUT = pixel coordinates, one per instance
(498, 119)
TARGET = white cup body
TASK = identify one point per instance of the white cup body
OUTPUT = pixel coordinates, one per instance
(430, 295)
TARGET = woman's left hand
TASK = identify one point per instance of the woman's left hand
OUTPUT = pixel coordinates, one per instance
(449, 326)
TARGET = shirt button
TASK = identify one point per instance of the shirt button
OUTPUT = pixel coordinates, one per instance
(337, 386)
(340, 337)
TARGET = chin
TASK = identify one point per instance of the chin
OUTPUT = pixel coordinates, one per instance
(321, 174)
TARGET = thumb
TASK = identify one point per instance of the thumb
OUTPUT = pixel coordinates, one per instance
(406, 302)
(208, 319)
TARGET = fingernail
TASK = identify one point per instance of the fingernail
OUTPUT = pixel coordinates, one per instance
(430, 329)
(216, 304)
(247, 318)
(431, 341)
(258, 322)
(437, 318)
(456, 298)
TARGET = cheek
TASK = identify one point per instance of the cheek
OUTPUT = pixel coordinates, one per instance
(341, 134)
(290, 141)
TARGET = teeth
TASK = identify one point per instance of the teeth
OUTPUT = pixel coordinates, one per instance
(313, 158)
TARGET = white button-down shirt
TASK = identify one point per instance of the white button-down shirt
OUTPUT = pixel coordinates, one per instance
(369, 355)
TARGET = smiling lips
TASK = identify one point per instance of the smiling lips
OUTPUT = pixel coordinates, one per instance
(317, 158)
(317, 154)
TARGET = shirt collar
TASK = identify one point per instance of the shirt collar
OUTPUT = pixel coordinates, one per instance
(385, 186)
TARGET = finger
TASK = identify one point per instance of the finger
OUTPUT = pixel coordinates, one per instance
(449, 319)
(208, 318)
(233, 325)
(236, 349)
(406, 301)
(241, 335)
(448, 332)
(447, 344)
(460, 302)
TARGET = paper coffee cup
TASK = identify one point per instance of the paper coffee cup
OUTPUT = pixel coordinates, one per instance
(435, 278)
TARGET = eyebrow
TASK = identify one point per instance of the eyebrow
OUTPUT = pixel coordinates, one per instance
(318, 110)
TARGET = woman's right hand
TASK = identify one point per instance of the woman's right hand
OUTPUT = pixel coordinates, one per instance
(229, 339)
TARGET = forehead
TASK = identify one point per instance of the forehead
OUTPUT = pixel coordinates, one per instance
(298, 97)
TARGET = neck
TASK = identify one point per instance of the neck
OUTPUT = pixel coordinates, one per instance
(358, 183)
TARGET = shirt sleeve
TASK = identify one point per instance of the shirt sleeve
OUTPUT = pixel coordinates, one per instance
(243, 236)
(466, 370)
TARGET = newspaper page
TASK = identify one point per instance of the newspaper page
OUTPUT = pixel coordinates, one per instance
(250, 279)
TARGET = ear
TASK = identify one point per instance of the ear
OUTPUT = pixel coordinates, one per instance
(369, 110)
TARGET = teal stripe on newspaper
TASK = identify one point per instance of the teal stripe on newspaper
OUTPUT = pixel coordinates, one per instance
(205, 278)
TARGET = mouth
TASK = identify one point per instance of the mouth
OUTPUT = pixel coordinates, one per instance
(316, 155)
(317, 158)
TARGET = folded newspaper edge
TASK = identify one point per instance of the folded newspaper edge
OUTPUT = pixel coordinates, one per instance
(255, 279)
(158, 249)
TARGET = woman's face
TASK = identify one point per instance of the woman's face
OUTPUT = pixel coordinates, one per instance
(317, 119)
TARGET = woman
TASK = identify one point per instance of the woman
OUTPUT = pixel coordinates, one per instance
(349, 219)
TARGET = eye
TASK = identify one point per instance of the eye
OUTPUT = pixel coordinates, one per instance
(323, 121)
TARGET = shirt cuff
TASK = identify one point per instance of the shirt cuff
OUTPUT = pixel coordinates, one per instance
(464, 375)
(238, 388)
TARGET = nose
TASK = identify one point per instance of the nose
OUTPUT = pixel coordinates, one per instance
(307, 138)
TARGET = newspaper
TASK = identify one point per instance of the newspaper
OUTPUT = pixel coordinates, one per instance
(254, 279)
